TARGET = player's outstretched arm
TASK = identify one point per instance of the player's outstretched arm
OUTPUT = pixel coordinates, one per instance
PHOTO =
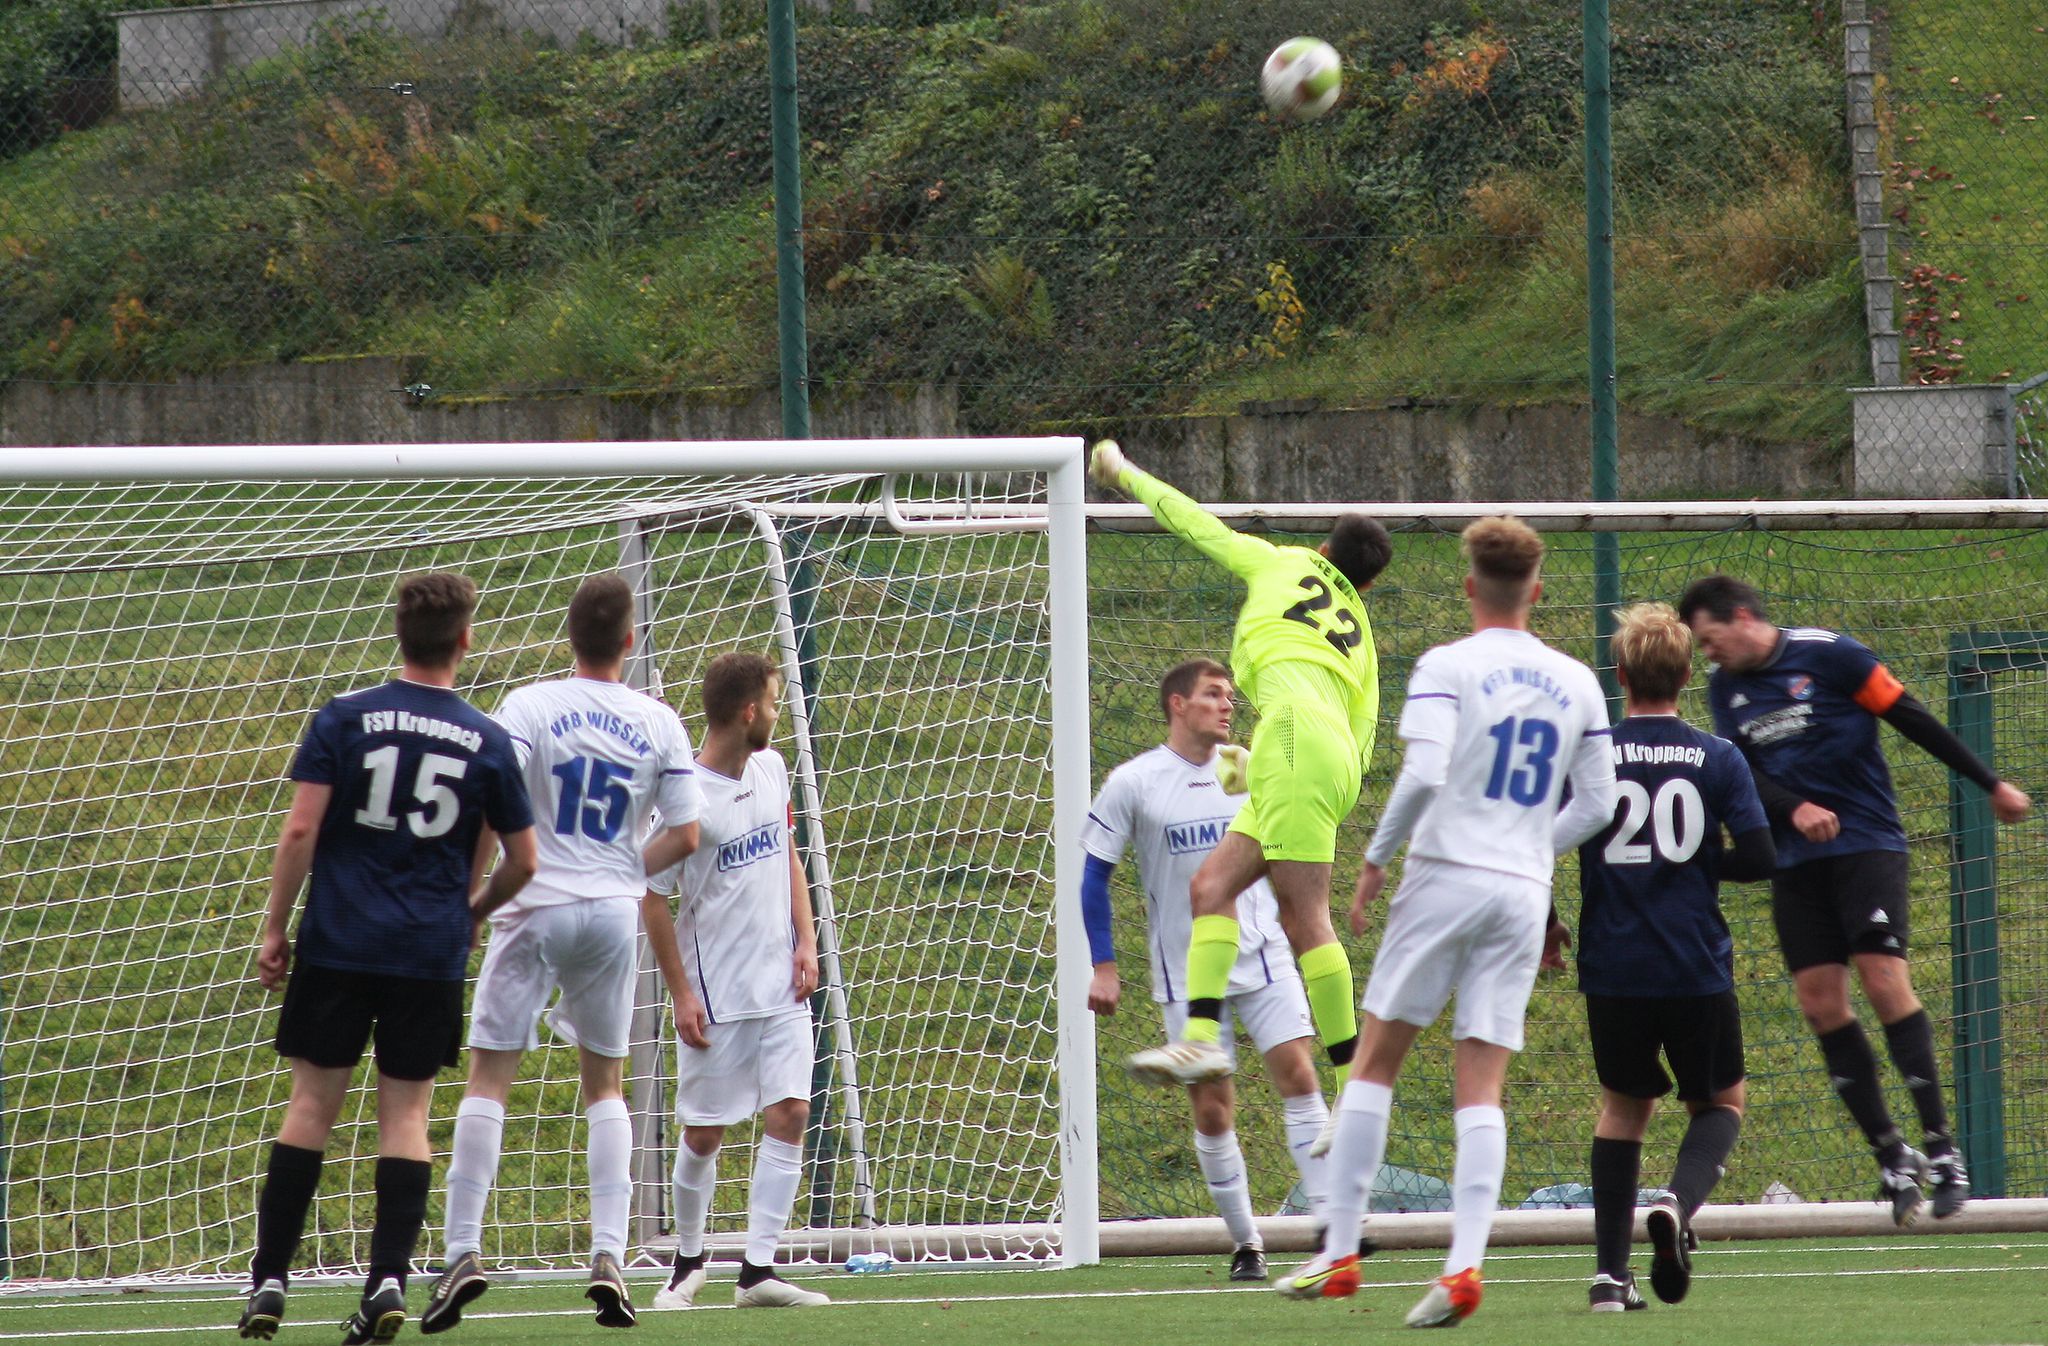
(288, 870)
(1910, 716)
(1240, 553)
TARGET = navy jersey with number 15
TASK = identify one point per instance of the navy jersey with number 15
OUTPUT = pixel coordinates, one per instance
(416, 773)
(1650, 920)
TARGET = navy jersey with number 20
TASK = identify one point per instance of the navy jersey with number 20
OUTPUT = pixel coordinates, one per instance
(1650, 920)
(416, 773)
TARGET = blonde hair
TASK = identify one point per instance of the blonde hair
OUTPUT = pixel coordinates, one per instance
(1654, 649)
(1505, 555)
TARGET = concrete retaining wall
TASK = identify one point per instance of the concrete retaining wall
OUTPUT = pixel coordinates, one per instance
(168, 54)
(1303, 453)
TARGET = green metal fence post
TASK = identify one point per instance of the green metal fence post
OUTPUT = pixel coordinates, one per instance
(1973, 921)
(1606, 472)
(789, 221)
(822, 1141)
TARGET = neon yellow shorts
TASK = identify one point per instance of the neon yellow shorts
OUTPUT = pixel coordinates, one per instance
(1304, 782)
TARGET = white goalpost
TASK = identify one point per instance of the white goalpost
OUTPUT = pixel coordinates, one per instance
(965, 646)
(175, 614)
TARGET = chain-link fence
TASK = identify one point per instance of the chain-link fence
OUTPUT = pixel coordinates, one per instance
(1017, 218)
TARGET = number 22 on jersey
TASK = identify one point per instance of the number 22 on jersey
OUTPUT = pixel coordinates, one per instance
(1344, 632)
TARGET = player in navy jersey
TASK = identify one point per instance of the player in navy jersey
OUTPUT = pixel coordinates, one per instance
(397, 793)
(1656, 961)
(1803, 704)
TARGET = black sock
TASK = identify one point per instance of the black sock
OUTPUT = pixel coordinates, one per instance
(685, 1265)
(281, 1206)
(1703, 1155)
(402, 1186)
(1617, 1164)
(1340, 1053)
(1852, 1070)
(1911, 1040)
(752, 1275)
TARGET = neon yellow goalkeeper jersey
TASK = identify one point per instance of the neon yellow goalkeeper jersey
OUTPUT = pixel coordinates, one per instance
(1302, 634)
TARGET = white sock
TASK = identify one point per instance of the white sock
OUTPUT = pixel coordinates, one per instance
(1363, 1111)
(1475, 1184)
(1305, 1116)
(1222, 1164)
(472, 1170)
(696, 1177)
(611, 1175)
(777, 1167)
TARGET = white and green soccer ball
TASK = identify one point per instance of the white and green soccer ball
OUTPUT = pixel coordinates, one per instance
(1302, 79)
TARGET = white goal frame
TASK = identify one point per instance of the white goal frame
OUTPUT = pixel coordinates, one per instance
(1060, 460)
(1065, 518)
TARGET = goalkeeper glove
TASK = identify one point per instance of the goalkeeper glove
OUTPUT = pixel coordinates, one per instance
(1233, 768)
(1106, 463)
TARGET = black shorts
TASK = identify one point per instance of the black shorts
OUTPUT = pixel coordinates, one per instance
(329, 1015)
(1830, 908)
(1701, 1035)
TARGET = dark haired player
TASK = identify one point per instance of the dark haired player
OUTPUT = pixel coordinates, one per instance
(1656, 961)
(601, 758)
(1171, 805)
(397, 790)
(1303, 652)
(1803, 705)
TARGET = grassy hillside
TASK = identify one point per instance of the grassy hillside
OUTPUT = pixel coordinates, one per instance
(1067, 211)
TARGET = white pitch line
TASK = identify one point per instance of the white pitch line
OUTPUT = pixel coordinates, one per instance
(911, 1301)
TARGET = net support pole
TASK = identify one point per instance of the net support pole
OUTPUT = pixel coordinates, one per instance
(1973, 924)
(791, 320)
(1600, 372)
(1080, 1195)
(810, 806)
(646, 1082)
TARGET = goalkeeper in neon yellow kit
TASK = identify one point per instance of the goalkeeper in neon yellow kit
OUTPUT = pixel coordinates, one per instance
(1303, 653)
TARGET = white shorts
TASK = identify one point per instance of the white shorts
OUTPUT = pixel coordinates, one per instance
(590, 951)
(1454, 928)
(1274, 1013)
(750, 1064)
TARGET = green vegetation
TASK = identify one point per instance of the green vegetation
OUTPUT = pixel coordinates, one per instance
(149, 720)
(1066, 212)
(1966, 144)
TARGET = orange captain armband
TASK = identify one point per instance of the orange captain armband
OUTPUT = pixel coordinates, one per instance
(1880, 691)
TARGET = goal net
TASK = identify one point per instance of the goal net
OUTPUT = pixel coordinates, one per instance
(1955, 600)
(168, 639)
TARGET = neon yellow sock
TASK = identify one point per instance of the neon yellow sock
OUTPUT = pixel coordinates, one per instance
(1212, 952)
(1199, 1029)
(1326, 976)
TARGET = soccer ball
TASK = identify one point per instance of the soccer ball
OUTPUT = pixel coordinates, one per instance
(1302, 79)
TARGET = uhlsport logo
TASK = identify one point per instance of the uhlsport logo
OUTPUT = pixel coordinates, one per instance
(1195, 837)
(744, 850)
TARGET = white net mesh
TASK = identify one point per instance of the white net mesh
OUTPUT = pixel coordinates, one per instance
(164, 647)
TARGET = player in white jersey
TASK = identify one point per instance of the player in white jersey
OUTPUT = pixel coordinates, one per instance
(600, 758)
(1494, 725)
(740, 957)
(1169, 806)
